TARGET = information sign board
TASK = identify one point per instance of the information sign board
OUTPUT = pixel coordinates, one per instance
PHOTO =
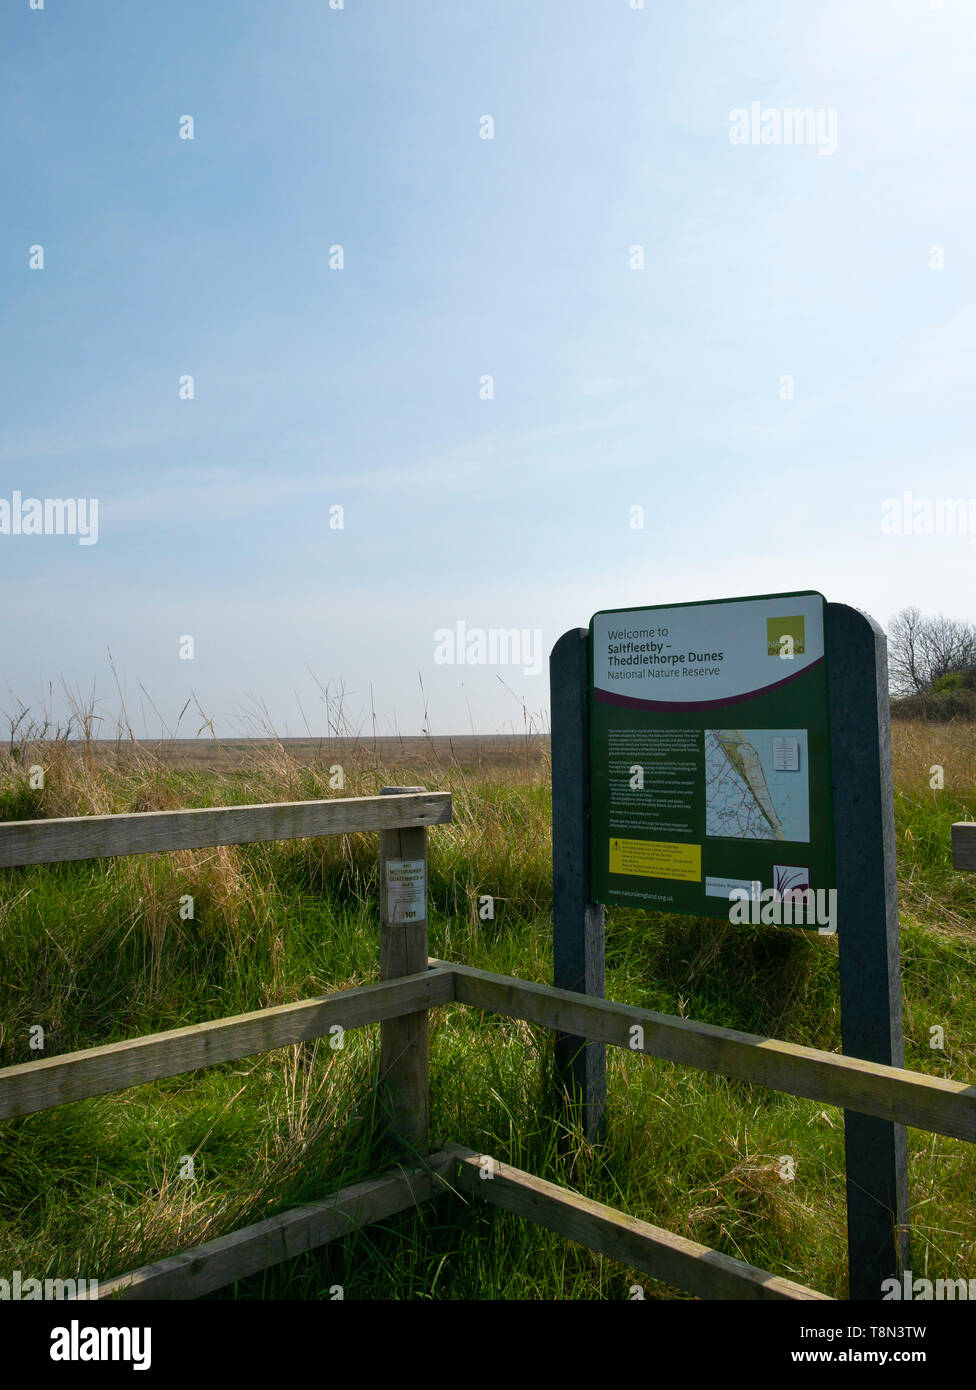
(710, 758)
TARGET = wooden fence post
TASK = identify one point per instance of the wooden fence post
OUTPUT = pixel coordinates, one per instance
(403, 951)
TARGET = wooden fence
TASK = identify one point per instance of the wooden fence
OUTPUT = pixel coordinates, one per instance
(410, 985)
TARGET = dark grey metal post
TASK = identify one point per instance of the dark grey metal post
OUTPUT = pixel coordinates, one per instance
(577, 923)
(867, 926)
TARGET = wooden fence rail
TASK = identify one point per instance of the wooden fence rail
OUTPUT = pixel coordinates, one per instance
(52, 1081)
(292, 1233)
(148, 832)
(892, 1093)
(632, 1243)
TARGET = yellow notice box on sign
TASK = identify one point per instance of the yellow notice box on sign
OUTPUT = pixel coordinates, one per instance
(656, 859)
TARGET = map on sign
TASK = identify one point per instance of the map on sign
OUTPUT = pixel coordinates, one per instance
(756, 787)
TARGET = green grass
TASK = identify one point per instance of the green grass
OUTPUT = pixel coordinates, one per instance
(96, 952)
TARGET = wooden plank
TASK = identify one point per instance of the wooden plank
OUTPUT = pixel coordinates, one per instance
(866, 879)
(964, 846)
(403, 951)
(636, 1244)
(149, 832)
(906, 1097)
(39, 1085)
(577, 923)
(259, 1247)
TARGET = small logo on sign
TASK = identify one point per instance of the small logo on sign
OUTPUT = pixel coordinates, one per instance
(785, 635)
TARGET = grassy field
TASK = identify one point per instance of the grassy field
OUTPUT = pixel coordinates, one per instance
(96, 952)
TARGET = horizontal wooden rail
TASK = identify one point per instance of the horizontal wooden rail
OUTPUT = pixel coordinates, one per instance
(149, 832)
(906, 1097)
(964, 846)
(33, 1086)
(257, 1248)
(635, 1244)
(892, 1093)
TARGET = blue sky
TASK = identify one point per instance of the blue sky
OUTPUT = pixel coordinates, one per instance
(465, 257)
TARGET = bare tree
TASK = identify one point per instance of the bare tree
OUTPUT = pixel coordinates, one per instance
(923, 650)
(905, 670)
(948, 647)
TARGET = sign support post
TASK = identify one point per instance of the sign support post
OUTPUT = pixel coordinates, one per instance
(581, 1066)
(867, 914)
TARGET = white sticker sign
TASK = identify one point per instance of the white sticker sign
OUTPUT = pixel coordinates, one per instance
(786, 754)
(405, 899)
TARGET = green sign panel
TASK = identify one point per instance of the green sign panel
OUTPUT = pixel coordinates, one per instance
(710, 772)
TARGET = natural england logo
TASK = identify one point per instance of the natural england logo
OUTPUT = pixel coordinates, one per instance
(786, 637)
(784, 125)
(50, 516)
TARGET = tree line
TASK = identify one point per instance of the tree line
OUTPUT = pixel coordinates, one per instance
(931, 666)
